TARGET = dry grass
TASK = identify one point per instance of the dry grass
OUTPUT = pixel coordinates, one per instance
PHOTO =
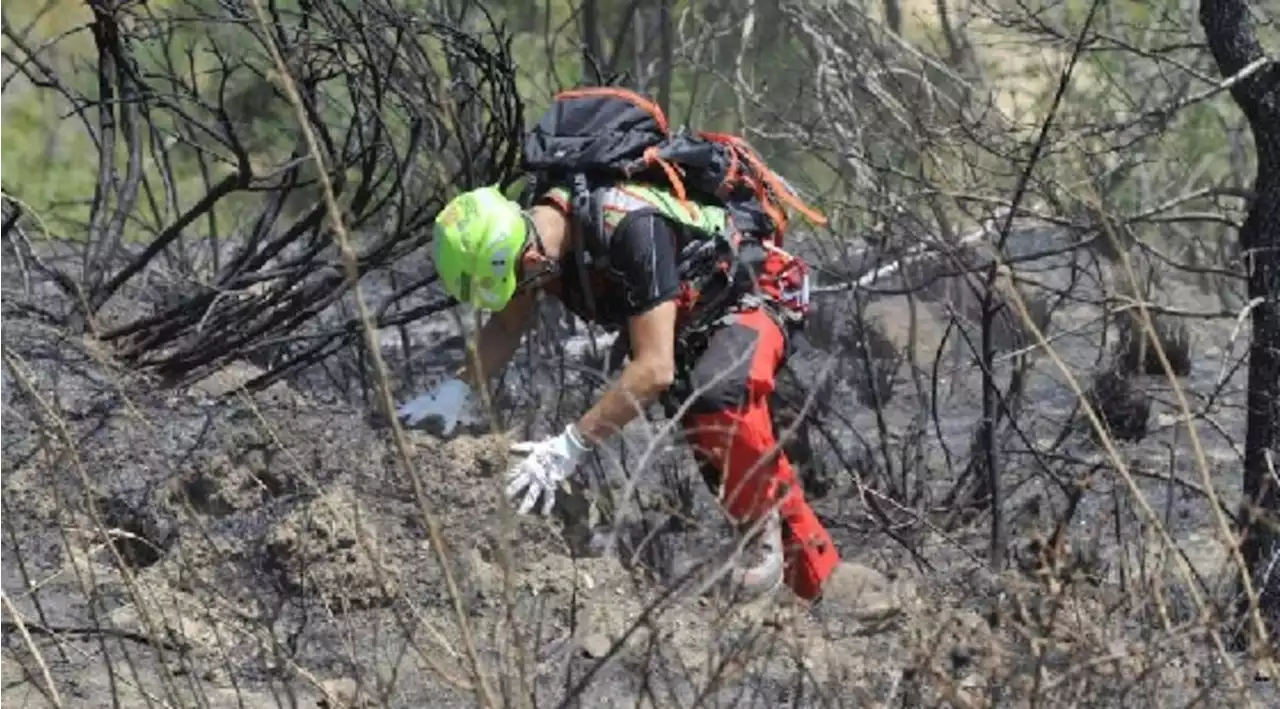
(420, 585)
(1047, 633)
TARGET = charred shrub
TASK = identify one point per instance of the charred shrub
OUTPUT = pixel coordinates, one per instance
(1135, 353)
(1123, 407)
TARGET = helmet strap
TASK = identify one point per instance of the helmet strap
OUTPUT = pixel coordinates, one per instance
(532, 230)
(549, 267)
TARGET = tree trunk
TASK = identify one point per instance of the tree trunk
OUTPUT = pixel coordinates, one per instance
(1260, 242)
(1230, 33)
(665, 63)
(893, 15)
(592, 58)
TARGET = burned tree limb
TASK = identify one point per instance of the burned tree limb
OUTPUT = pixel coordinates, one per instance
(1233, 40)
(407, 105)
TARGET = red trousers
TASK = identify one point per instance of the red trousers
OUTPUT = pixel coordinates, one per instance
(730, 427)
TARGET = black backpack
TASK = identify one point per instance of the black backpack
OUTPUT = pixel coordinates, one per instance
(592, 137)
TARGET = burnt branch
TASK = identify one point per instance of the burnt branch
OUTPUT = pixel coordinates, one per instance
(205, 241)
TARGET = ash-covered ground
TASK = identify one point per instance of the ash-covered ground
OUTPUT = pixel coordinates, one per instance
(195, 546)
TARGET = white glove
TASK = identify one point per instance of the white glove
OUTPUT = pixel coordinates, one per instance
(446, 403)
(547, 463)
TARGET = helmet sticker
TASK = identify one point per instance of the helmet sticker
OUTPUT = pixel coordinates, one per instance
(458, 214)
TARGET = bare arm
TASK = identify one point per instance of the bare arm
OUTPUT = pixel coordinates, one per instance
(498, 339)
(644, 249)
(648, 374)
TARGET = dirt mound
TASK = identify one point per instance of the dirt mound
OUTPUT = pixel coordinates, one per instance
(242, 537)
(327, 548)
(218, 486)
(221, 548)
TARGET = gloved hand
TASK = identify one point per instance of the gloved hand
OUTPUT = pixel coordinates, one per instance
(446, 403)
(547, 463)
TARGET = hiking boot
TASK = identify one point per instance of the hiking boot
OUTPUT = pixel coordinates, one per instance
(742, 571)
(757, 570)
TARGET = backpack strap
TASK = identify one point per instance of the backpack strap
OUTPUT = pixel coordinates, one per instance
(587, 212)
(719, 268)
(585, 206)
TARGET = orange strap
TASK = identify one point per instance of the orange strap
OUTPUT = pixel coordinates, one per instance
(674, 176)
(772, 182)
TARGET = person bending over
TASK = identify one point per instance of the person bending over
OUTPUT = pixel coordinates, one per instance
(494, 254)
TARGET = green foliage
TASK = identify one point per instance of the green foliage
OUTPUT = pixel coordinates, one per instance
(50, 161)
(50, 169)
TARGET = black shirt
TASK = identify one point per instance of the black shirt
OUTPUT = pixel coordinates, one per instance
(641, 272)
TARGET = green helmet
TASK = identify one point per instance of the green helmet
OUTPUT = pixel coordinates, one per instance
(479, 238)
